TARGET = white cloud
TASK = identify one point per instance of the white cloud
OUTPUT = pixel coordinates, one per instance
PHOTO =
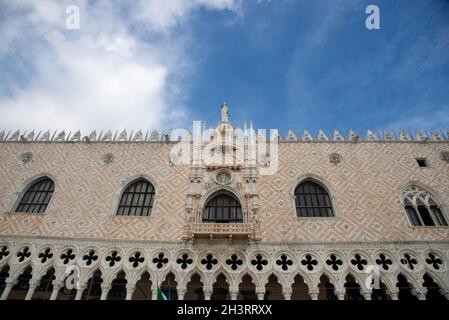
(101, 76)
(165, 14)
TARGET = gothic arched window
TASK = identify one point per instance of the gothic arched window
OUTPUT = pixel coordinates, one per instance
(37, 196)
(137, 199)
(421, 208)
(223, 208)
(312, 200)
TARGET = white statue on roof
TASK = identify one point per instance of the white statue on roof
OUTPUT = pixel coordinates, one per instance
(224, 112)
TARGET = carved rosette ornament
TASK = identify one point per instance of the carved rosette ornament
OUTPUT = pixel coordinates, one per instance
(223, 177)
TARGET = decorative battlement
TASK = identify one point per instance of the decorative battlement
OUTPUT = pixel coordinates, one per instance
(166, 136)
(223, 128)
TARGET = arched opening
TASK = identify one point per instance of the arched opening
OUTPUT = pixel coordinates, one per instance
(45, 288)
(37, 196)
(433, 289)
(380, 293)
(194, 288)
(137, 199)
(93, 290)
(118, 287)
(326, 289)
(143, 288)
(300, 290)
(4, 274)
(273, 289)
(169, 287)
(220, 288)
(222, 207)
(312, 200)
(20, 289)
(352, 289)
(405, 289)
(247, 289)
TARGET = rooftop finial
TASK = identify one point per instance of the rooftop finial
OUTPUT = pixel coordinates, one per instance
(224, 112)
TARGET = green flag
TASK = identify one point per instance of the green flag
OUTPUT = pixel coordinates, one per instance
(160, 294)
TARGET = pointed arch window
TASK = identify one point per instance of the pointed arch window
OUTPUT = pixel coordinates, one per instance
(421, 208)
(223, 208)
(137, 199)
(37, 197)
(312, 200)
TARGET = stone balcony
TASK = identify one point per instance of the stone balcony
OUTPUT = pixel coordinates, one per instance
(222, 230)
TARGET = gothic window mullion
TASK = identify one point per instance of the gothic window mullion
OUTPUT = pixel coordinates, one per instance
(418, 214)
(432, 215)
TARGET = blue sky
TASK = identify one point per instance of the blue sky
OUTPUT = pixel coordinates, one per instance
(283, 64)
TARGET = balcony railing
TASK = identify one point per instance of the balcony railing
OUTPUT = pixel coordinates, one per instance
(218, 230)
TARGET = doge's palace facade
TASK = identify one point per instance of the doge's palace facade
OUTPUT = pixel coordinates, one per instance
(224, 214)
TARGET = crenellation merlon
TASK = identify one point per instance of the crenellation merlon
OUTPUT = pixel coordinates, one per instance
(143, 136)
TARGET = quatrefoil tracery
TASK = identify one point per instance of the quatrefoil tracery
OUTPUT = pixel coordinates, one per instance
(284, 262)
(67, 256)
(184, 261)
(136, 259)
(45, 255)
(259, 262)
(113, 258)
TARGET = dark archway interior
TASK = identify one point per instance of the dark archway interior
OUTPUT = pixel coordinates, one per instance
(194, 288)
(143, 288)
(273, 289)
(118, 287)
(326, 289)
(247, 289)
(93, 290)
(45, 288)
(300, 291)
(169, 287)
(405, 289)
(220, 289)
(352, 289)
(433, 289)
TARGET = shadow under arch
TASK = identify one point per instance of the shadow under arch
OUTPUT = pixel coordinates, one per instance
(434, 289)
(405, 287)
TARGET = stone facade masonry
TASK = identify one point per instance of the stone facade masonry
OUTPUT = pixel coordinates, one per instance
(365, 188)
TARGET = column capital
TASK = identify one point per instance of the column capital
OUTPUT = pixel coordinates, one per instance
(34, 283)
(57, 284)
(260, 292)
(10, 282)
(208, 289)
(420, 293)
(340, 294)
(130, 287)
(287, 290)
(105, 286)
(394, 294)
(287, 293)
(445, 293)
(81, 286)
(260, 289)
(366, 294)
